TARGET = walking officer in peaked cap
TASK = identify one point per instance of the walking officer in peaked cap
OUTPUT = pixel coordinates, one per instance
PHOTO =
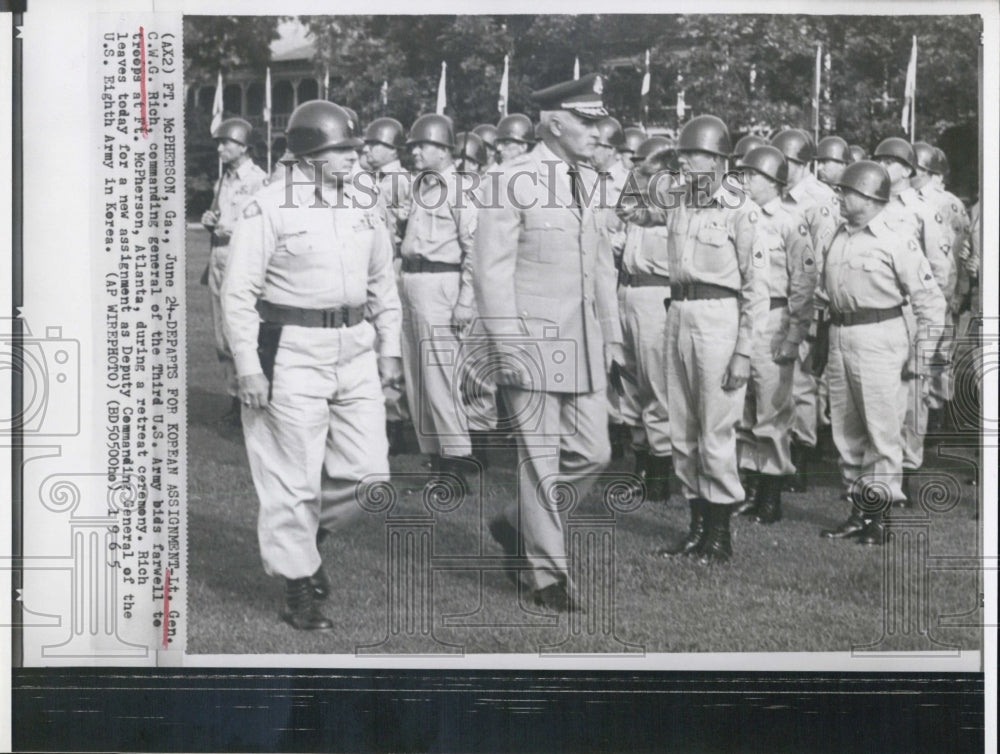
(313, 316)
(817, 205)
(437, 294)
(643, 285)
(545, 288)
(384, 138)
(240, 179)
(918, 223)
(718, 278)
(870, 271)
(765, 436)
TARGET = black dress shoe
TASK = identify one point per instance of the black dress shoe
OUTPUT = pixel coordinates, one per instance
(853, 526)
(320, 583)
(873, 535)
(301, 612)
(555, 598)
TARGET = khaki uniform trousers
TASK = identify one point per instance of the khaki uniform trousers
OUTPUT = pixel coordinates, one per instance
(216, 270)
(701, 338)
(807, 404)
(644, 405)
(865, 368)
(912, 400)
(562, 439)
(764, 437)
(326, 412)
(430, 361)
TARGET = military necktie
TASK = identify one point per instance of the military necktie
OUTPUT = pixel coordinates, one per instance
(577, 189)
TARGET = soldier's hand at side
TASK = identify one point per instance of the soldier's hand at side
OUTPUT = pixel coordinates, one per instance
(613, 352)
(786, 353)
(390, 369)
(509, 371)
(222, 232)
(209, 219)
(253, 390)
(737, 373)
(461, 317)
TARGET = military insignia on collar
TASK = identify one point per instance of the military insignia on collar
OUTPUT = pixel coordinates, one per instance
(946, 248)
(251, 210)
(825, 211)
(753, 216)
(954, 207)
(914, 246)
(803, 230)
(938, 218)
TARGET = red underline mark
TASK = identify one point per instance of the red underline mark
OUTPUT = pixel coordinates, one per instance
(142, 83)
(166, 606)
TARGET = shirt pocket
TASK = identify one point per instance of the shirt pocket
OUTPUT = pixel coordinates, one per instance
(866, 262)
(713, 253)
(538, 307)
(544, 239)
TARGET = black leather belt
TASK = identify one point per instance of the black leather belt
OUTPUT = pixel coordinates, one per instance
(700, 291)
(344, 316)
(864, 316)
(642, 279)
(419, 264)
(779, 303)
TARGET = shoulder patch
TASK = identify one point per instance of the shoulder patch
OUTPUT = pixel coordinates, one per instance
(807, 260)
(251, 210)
(803, 230)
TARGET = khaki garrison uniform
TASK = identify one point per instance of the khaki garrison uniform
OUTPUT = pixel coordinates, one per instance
(326, 409)
(792, 276)
(868, 275)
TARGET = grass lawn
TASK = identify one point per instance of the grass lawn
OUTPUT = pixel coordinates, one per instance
(784, 590)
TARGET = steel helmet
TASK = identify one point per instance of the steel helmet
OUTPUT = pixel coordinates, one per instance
(747, 143)
(632, 138)
(897, 149)
(434, 129)
(868, 179)
(924, 156)
(318, 125)
(515, 127)
(857, 153)
(833, 148)
(471, 147)
(610, 133)
(488, 133)
(941, 162)
(795, 144)
(652, 146)
(539, 131)
(234, 129)
(355, 121)
(768, 161)
(387, 131)
(705, 133)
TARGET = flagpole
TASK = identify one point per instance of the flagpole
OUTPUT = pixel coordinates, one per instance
(817, 84)
(267, 112)
(913, 99)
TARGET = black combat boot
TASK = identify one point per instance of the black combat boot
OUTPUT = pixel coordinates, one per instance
(691, 544)
(749, 480)
(768, 509)
(618, 434)
(911, 490)
(873, 535)
(397, 439)
(659, 470)
(641, 471)
(717, 546)
(320, 583)
(853, 526)
(454, 470)
(300, 610)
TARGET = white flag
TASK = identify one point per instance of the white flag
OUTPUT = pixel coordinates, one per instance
(911, 88)
(267, 96)
(645, 78)
(442, 96)
(504, 83)
(384, 92)
(576, 68)
(217, 105)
